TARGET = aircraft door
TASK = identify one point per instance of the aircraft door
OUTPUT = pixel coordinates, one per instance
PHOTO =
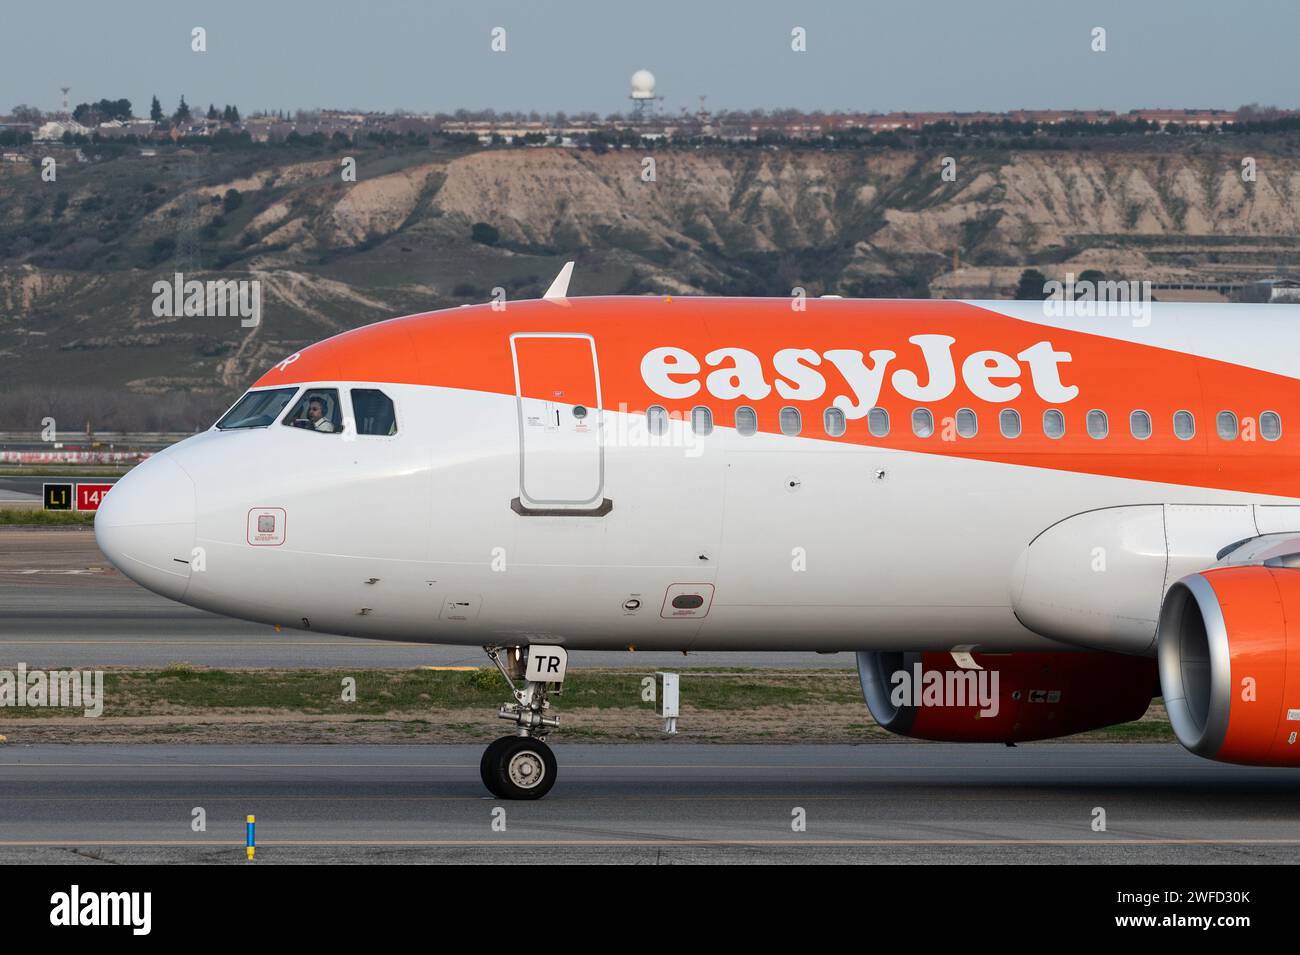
(561, 458)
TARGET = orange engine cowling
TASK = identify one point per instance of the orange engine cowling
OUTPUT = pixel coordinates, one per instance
(1020, 697)
(1229, 651)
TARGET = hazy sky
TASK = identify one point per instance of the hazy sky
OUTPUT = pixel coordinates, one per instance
(577, 55)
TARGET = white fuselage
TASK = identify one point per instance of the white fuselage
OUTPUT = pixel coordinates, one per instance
(793, 543)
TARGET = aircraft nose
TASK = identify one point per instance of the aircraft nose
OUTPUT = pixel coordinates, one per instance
(145, 526)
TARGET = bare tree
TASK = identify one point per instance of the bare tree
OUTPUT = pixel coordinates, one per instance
(23, 113)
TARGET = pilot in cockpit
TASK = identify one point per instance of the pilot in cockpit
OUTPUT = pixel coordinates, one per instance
(316, 416)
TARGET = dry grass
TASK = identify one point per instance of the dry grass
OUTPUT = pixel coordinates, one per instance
(182, 703)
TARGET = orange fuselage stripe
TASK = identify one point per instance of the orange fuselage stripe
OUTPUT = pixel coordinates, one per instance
(469, 348)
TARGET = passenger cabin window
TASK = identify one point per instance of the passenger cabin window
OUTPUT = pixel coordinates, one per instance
(791, 422)
(374, 412)
(1098, 426)
(701, 420)
(656, 419)
(1184, 425)
(317, 410)
(1053, 423)
(746, 421)
(922, 422)
(1139, 423)
(1226, 424)
(834, 422)
(967, 423)
(1270, 425)
(257, 409)
(1009, 422)
(878, 422)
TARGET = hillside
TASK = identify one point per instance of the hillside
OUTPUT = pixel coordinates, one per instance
(78, 257)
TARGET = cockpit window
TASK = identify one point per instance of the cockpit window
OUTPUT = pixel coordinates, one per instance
(374, 411)
(257, 409)
(317, 410)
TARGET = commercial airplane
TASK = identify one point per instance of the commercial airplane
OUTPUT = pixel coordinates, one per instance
(1098, 509)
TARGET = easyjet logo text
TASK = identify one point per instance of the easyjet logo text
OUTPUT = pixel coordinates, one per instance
(925, 372)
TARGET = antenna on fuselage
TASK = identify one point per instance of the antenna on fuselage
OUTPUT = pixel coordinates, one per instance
(560, 287)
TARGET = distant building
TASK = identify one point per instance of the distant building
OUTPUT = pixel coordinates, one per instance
(54, 130)
(117, 129)
(1186, 117)
(259, 127)
(1283, 290)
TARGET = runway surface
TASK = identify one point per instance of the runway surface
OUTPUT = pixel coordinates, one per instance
(648, 803)
(63, 605)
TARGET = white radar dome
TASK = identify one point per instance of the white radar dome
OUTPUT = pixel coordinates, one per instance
(643, 84)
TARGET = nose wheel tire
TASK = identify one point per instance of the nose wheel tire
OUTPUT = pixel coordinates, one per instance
(518, 767)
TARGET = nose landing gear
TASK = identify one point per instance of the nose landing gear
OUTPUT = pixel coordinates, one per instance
(522, 766)
(518, 767)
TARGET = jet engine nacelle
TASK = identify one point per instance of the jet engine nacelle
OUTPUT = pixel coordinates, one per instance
(1229, 652)
(1010, 698)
